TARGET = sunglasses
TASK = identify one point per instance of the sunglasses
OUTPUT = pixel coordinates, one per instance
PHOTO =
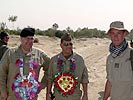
(67, 44)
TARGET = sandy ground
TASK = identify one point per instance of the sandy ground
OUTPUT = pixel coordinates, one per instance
(94, 51)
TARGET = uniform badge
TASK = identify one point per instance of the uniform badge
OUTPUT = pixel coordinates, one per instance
(116, 65)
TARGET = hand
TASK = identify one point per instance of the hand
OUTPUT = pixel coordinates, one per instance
(85, 97)
(4, 96)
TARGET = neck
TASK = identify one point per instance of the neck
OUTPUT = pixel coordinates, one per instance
(66, 55)
(26, 51)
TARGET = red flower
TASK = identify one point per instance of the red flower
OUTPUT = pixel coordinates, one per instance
(21, 84)
(25, 81)
(64, 78)
(66, 88)
(13, 87)
(17, 75)
(35, 65)
(71, 83)
(68, 79)
(30, 84)
(19, 63)
(60, 81)
(70, 87)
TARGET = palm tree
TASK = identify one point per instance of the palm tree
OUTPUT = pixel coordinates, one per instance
(12, 19)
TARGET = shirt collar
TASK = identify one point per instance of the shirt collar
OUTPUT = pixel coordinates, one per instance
(20, 51)
(63, 58)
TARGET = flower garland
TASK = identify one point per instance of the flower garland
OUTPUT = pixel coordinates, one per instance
(26, 88)
(65, 82)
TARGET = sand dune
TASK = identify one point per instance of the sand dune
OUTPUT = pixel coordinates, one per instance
(94, 52)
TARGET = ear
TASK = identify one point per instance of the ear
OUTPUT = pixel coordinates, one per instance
(125, 33)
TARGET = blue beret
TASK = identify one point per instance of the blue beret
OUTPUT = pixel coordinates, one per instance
(27, 32)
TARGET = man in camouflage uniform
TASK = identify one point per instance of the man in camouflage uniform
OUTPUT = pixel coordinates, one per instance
(20, 68)
(67, 71)
(4, 37)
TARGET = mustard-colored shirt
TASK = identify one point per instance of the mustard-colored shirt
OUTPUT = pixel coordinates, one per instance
(81, 74)
(8, 69)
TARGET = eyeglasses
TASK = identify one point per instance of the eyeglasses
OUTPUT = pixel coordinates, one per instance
(67, 44)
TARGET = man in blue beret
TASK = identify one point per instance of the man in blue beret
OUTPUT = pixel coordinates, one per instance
(20, 68)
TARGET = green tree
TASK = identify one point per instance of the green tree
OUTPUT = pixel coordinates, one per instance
(3, 26)
(59, 33)
(50, 32)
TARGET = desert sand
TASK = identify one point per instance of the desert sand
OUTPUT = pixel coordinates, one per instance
(93, 50)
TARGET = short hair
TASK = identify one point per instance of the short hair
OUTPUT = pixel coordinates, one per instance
(66, 37)
(3, 34)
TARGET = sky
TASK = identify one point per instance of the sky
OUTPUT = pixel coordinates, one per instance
(75, 14)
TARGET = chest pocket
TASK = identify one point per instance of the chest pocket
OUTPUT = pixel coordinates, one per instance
(115, 70)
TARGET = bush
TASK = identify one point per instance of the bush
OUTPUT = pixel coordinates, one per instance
(50, 32)
(14, 32)
(59, 34)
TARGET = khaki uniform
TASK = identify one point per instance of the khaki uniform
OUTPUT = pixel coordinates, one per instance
(8, 69)
(119, 73)
(80, 72)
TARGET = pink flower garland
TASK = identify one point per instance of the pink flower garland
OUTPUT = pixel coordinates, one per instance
(26, 88)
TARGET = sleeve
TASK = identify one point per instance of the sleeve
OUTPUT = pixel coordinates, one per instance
(4, 63)
(45, 66)
(3, 49)
(84, 78)
(107, 69)
(50, 70)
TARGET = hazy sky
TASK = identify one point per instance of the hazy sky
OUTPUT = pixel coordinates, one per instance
(43, 14)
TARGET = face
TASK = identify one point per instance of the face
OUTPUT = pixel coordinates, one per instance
(27, 42)
(67, 47)
(6, 38)
(117, 36)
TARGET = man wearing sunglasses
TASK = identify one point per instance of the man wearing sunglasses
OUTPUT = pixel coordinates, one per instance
(4, 37)
(67, 71)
